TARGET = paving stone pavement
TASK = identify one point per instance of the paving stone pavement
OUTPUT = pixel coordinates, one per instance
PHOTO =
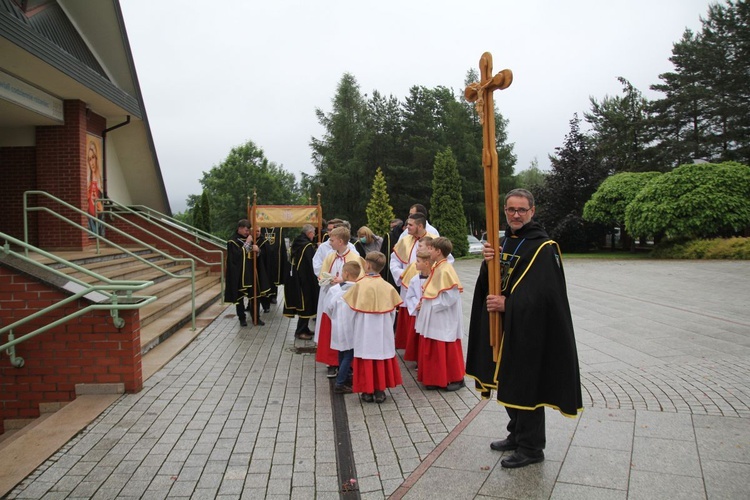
(246, 412)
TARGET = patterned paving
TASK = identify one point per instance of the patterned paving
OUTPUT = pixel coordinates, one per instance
(665, 359)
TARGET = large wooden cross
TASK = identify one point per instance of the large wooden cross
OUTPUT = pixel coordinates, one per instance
(481, 93)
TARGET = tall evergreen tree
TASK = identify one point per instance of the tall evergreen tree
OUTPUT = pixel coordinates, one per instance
(574, 177)
(198, 215)
(379, 209)
(339, 155)
(205, 209)
(705, 112)
(621, 130)
(423, 138)
(447, 206)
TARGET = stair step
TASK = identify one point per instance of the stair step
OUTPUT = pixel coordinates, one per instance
(135, 271)
(169, 322)
(168, 285)
(98, 266)
(84, 257)
(179, 295)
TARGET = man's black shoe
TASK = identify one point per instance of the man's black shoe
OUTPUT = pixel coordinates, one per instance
(503, 445)
(454, 386)
(304, 335)
(259, 322)
(518, 459)
(243, 322)
(367, 398)
(267, 310)
(332, 371)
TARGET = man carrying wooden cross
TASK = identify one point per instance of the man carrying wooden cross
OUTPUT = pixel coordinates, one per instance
(532, 359)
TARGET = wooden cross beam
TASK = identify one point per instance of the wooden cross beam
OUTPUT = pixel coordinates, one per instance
(481, 94)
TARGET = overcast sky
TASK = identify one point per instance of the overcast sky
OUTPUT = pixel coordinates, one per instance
(217, 74)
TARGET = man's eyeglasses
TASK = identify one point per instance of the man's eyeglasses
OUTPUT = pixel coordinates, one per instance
(519, 211)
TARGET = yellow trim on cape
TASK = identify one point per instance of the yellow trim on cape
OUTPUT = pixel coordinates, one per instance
(409, 272)
(548, 405)
(549, 242)
(499, 359)
(368, 295)
(483, 387)
(299, 263)
(442, 277)
(405, 245)
(348, 257)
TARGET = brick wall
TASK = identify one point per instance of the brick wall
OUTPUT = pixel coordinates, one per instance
(57, 165)
(18, 165)
(62, 172)
(87, 349)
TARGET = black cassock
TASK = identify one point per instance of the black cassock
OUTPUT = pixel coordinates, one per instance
(301, 287)
(538, 364)
(386, 248)
(273, 258)
(240, 274)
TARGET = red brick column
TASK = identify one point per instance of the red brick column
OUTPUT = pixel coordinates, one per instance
(61, 171)
(18, 165)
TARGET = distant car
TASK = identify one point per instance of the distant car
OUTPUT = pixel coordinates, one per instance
(475, 246)
(502, 235)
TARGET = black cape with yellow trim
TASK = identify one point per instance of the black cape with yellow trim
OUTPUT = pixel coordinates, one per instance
(273, 257)
(301, 287)
(240, 274)
(538, 364)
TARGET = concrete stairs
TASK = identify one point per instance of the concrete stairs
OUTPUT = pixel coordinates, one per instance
(173, 307)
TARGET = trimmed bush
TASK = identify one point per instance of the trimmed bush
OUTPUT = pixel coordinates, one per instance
(719, 248)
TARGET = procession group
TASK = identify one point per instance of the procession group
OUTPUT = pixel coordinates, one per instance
(374, 295)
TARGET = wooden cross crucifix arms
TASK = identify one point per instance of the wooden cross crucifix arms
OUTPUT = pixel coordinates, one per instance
(481, 93)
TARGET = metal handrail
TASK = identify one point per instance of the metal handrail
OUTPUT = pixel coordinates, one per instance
(198, 233)
(169, 220)
(109, 227)
(110, 287)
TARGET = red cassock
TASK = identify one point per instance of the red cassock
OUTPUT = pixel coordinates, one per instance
(375, 365)
(440, 324)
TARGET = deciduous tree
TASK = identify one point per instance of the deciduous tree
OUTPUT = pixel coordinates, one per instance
(693, 201)
(607, 205)
(244, 171)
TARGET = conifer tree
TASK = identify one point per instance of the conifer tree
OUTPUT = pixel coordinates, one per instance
(379, 210)
(198, 214)
(205, 209)
(447, 210)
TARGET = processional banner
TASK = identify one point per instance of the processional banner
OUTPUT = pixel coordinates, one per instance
(286, 215)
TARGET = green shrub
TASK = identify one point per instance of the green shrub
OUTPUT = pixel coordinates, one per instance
(719, 248)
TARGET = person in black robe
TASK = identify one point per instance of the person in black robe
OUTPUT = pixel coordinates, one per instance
(273, 258)
(241, 279)
(538, 362)
(301, 287)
